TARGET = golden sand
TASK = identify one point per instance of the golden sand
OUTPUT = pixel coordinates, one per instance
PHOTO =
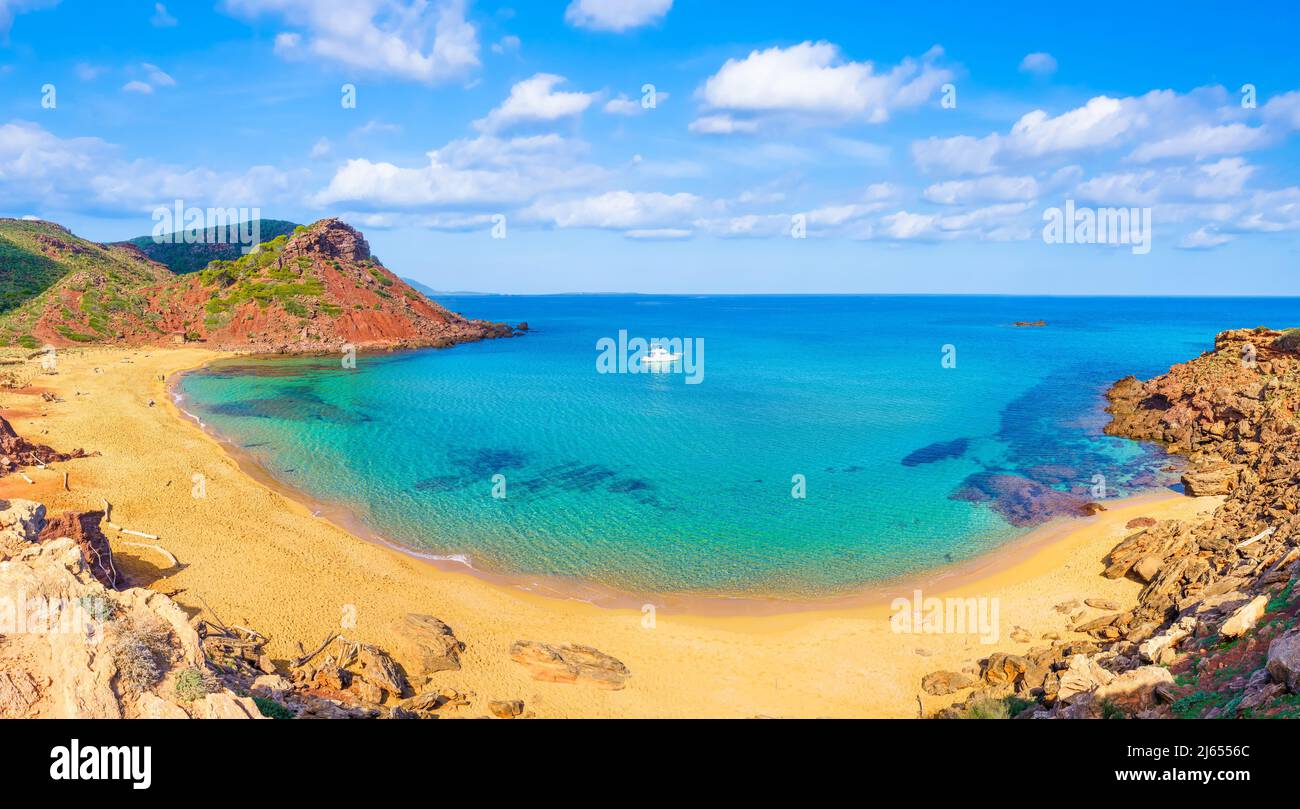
(259, 558)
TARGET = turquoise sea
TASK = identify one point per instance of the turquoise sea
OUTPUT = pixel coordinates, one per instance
(644, 482)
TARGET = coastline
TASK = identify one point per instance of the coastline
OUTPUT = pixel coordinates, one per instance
(255, 542)
(953, 576)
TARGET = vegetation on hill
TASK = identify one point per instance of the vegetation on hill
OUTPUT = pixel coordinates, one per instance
(74, 288)
(215, 243)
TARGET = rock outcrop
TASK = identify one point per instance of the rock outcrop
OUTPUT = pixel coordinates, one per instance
(1234, 576)
(570, 663)
(77, 649)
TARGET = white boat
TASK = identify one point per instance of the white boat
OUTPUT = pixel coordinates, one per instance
(659, 356)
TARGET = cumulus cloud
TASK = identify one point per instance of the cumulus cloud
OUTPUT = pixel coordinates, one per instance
(721, 125)
(620, 210)
(41, 170)
(408, 39)
(534, 100)
(1220, 180)
(813, 79)
(1040, 64)
(615, 15)
(1204, 140)
(1100, 124)
(992, 188)
(483, 171)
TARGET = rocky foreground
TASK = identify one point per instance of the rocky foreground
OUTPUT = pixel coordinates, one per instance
(1215, 629)
(76, 641)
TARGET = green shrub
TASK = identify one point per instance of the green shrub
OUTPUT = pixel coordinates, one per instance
(272, 709)
(1289, 341)
(192, 684)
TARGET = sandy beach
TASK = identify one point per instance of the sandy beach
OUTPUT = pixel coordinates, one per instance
(254, 556)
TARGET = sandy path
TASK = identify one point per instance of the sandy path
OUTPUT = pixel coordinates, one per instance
(260, 559)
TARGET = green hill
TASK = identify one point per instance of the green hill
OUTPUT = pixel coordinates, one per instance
(54, 282)
(217, 243)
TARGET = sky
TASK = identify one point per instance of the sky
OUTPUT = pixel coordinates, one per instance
(682, 146)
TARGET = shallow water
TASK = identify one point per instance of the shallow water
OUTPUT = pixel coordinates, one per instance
(647, 483)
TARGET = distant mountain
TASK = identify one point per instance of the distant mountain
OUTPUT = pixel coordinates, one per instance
(311, 290)
(215, 243)
(432, 293)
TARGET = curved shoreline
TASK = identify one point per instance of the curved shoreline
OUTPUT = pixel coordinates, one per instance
(941, 579)
(251, 554)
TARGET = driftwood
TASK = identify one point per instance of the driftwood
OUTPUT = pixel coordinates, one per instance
(305, 658)
(158, 548)
(108, 520)
(233, 647)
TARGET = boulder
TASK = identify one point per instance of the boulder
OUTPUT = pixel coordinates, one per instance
(225, 705)
(426, 644)
(942, 683)
(1083, 676)
(1210, 480)
(152, 706)
(1147, 568)
(379, 669)
(83, 528)
(570, 663)
(1151, 650)
(1134, 689)
(1284, 660)
(1003, 669)
(1244, 619)
(506, 709)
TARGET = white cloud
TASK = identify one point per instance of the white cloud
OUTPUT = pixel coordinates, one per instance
(1204, 140)
(660, 234)
(619, 210)
(321, 149)
(39, 169)
(534, 100)
(12, 8)
(506, 44)
(813, 79)
(1102, 123)
(1040, 64)
(615, 15)
(1203, 238)
(156, 76)
(721, 125)
(409, 39)
(622, 105)
(994, 188)
(160, 18)
(1221, 180)
(483, 171)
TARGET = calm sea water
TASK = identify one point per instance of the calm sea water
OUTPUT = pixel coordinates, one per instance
(646, 483)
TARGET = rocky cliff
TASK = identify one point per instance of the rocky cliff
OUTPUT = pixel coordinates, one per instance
(1216, 630)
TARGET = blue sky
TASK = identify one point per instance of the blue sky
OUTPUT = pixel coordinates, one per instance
(916, 145)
